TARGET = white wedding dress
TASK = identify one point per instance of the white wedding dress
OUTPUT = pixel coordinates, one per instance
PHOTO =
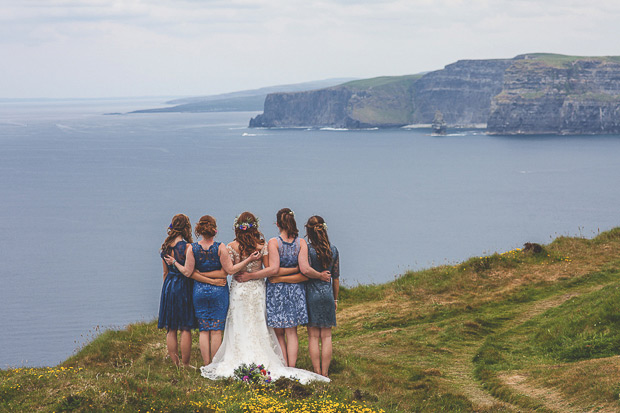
(247, 339)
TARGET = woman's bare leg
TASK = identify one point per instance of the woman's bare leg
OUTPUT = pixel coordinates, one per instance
(314, 334)
(326, 350)
(216, 341)
(205, 346)
(173, 348)
(280, 335)
(186, 346)
(292, 345)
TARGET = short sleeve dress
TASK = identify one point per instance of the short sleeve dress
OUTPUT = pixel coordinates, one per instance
(176, 311)
(286, 302)
(210, 301)
(319, 294)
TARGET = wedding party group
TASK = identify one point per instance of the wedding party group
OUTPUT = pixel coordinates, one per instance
(276, 286)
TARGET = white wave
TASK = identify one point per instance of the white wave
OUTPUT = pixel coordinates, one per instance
(65, 127)
(12, 123)
(254, 134)
(335, 129)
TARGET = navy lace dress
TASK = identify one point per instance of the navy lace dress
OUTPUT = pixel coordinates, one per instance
(176, 311)
(319, 294)
(210, 301)
(286, 303)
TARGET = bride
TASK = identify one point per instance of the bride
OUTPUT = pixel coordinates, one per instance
(247, 339)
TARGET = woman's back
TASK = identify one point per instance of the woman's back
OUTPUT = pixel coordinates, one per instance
(289, 252)
(209, 259)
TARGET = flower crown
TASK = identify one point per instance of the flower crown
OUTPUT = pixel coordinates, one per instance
(320, 226)
(244, 226)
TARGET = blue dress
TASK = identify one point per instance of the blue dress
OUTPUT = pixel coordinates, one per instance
(319, 294)
(286, 303)
(176, 311)
(210, 301)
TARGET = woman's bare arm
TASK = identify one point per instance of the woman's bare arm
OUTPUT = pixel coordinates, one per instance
(165, 268)
(304, 264)
(190, 262)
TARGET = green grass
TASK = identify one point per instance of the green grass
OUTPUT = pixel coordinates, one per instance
(559, 60)
(516, 331)
(382, 81)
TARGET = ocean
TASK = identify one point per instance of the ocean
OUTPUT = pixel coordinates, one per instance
(87, 197)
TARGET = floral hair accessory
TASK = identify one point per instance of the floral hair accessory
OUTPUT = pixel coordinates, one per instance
(170, 226)
(324, 226)
(292, 213)
(244, 226)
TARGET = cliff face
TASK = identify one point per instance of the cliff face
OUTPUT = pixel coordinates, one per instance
(385, 103)
(324, 107)
(529, 94)
(462, 92)
(577, 96)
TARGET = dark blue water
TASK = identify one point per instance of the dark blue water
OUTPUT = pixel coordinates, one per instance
(86, 200)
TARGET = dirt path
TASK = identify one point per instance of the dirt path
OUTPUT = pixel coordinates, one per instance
(462, 370)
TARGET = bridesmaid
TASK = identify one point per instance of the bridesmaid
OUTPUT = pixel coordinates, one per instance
(322, 296)
(286, 296)
(204, 263)
(175, 307)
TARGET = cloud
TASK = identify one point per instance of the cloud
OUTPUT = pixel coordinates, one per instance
(203, 46)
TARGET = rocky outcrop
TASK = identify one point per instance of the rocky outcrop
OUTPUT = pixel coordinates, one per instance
(547, 96)
(386, 103)
(324, 107)
(462, 92)
(530, 94)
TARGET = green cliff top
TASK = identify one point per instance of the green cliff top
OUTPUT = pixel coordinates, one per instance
(559, 60)
(382, 81)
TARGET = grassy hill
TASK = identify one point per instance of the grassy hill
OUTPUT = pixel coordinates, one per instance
(518, 331)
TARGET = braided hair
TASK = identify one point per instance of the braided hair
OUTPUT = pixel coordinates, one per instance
(316, 231)
(180, 225)
(247, 234)
(285, 219)
(206, 227)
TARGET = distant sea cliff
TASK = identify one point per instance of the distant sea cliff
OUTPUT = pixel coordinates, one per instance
(528, 94)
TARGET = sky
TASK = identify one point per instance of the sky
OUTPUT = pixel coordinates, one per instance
(118, 48)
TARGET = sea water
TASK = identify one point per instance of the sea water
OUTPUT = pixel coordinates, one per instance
(86, 199)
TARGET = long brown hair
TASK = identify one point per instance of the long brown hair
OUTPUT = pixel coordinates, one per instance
(285, 219)
(247, 234)
(316, 230)
(180, 225)
(206, 227)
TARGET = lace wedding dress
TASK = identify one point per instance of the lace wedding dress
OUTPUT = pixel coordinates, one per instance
(247, 339)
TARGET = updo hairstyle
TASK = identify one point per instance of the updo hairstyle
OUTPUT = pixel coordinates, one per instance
(180, 225)
(206, 227)
(285, 220)
(247, 234)
(316, 230)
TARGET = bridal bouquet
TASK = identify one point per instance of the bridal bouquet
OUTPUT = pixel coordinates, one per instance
(253, 374)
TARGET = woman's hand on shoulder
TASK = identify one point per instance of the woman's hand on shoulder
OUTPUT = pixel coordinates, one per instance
(326, 276)
(255, 256)
(169, 259)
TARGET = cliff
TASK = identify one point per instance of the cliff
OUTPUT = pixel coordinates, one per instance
(529, 94)
(382, 102)
(557, 94)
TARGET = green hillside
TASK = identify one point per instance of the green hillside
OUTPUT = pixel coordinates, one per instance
(518, 331)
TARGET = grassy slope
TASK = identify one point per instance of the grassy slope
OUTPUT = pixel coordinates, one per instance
(508, 332)
(387, 100)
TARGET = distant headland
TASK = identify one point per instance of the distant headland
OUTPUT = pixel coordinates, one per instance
(534, 93)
